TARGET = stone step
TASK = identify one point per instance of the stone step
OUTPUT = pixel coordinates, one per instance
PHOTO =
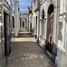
(51, 56)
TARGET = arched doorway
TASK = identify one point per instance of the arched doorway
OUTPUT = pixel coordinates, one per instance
(50, 27)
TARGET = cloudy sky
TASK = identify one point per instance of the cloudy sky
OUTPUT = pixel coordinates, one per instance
(24, 4)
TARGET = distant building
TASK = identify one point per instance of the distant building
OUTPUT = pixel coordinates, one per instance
(24, 19)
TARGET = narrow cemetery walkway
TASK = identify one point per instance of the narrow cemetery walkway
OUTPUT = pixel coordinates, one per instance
(27, 53)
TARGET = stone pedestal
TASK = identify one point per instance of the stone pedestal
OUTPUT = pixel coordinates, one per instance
(61, 59)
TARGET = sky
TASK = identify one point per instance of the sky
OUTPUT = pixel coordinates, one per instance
(24, 4)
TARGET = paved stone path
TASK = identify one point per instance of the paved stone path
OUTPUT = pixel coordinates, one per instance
(27, 53)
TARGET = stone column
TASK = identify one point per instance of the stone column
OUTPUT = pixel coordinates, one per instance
(27, 23)
(38, 32)
(34, 25)
(19, 20)
(16, 16)
(37, 24)
(55, 25)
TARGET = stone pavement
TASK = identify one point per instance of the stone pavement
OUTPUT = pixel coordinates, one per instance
(27, 53)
